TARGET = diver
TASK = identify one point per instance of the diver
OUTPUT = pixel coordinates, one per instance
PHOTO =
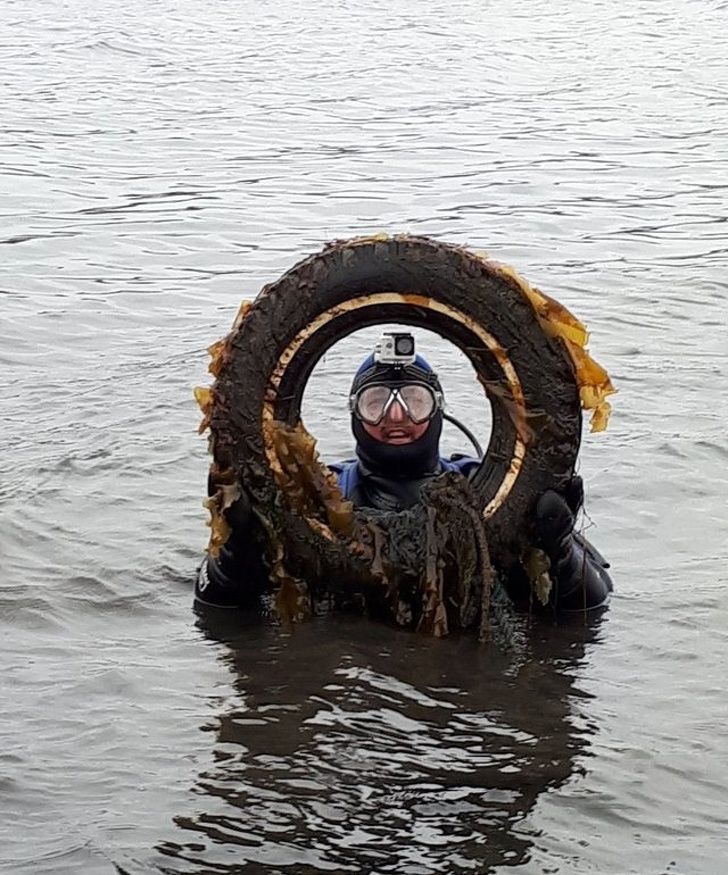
(396, 405)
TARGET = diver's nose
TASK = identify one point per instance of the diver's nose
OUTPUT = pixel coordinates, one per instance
(396, 412)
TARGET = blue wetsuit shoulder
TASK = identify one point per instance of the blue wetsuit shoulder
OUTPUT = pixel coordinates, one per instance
(464, 465)
(348, 472)
(347, 475)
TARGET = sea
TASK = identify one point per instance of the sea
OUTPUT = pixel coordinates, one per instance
(160, 162)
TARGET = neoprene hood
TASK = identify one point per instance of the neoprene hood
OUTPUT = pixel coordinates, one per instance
(402, 461)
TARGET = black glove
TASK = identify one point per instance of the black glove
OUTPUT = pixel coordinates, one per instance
(239, 513)
(554, 523)
(578, 572)
(573, 493)
(237, 576)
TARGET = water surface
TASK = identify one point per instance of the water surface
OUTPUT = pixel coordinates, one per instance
(162, 161)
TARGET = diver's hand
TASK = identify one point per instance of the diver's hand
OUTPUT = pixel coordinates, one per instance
(554, 523)
(239, 513)
(555, 514)
(573, 494)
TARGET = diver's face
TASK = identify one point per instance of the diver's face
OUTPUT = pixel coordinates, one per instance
(396, 427)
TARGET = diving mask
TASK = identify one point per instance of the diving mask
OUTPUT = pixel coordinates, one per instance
(372, 402)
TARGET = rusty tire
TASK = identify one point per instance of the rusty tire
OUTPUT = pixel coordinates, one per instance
(528, 376)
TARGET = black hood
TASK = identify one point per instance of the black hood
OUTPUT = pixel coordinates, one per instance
(398, 461)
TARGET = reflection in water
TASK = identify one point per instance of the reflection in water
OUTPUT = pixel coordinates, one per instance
(356, 748)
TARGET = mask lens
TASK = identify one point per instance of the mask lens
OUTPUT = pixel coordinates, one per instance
(418, 401)
(370, 403)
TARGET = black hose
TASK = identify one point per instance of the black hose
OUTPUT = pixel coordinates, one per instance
(466, 431)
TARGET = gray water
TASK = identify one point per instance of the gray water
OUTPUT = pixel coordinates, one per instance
(161, 161)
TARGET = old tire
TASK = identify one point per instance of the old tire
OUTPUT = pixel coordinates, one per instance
(528, 376)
